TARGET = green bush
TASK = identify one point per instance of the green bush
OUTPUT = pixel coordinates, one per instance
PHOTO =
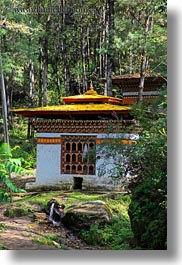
(148, 213)
(8, 165)
(21, 146)
(118, 235)
(148, 163)
(27, 154)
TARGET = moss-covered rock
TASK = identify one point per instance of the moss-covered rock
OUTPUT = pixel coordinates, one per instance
(85, 214)
(15, 211)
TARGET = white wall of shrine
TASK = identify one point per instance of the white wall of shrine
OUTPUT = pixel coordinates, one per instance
(48, 166)
(48, 163)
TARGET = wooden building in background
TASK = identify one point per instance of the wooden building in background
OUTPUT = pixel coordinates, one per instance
(128, 86)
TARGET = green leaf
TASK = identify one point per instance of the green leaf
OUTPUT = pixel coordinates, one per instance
(10, 185)
(3, 196)
(5, 151)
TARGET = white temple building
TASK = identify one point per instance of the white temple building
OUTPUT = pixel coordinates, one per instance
(72, 141)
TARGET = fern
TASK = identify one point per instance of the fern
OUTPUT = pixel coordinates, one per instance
(8, 165)
(3, 196)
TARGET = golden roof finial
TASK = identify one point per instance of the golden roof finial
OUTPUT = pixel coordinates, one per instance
(91, 86)
(91, 90)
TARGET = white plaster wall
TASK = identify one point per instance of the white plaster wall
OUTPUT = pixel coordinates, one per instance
(48, 163)
(130, 136)
(105, 163)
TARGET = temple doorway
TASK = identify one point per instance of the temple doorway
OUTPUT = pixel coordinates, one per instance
(77, 183)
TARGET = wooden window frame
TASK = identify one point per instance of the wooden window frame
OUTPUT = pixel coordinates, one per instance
(78, 164)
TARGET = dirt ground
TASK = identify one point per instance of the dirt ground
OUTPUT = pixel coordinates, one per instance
(23, 233)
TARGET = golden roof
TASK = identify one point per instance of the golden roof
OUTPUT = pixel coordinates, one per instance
(91, 96)
(88, 103)
(72, 109)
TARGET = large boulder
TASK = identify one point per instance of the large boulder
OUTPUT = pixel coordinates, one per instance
(85, 214)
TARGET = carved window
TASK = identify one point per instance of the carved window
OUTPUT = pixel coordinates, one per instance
(79, 168)
(79, 146)
(91, 170)
(85, 170)
(67, 169)
(67, 147)
(78, 155)
(67, 158)
(73, 169)
(73, 147)
(73, 158)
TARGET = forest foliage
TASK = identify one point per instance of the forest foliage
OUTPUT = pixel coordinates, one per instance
(54, 48)
(148, 172)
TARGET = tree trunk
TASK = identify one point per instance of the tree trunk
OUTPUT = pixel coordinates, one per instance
(131, 61)
(144, 63)
(88, 50)
(45, 83)
(4, 104)
(109, 60)
(144, 59)
(45, 63)
(102, 57)
(45, 71)
(66, 72)
(9, 92)
(83, 56)
(40, 75)
(31, 76)
(31, 79)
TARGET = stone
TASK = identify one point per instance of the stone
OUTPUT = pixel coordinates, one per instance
(85, 214)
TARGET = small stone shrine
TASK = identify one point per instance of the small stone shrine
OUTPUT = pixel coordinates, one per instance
(71, 138)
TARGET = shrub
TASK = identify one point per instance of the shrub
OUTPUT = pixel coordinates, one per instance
(8, 165)
(148, 163)
(115, 236)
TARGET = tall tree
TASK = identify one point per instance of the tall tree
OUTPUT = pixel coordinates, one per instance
(109, 39)
(4, 104)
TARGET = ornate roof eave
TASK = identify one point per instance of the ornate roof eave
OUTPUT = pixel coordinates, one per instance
(86, 99)
(75, 109)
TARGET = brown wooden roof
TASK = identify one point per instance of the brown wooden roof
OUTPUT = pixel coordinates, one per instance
(130, 82)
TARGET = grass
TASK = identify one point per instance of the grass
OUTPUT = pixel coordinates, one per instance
(42, 199)
(18, 211)
(2, 247)
(2, 226)
(49, 240)
(116, 236)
